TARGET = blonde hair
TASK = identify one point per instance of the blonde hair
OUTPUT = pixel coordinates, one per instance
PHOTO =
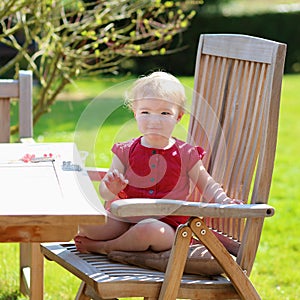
(159, 85)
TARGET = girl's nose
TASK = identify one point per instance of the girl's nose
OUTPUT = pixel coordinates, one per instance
(154, 119)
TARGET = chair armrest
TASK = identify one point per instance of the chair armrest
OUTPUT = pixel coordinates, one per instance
(158, 207)
(96, 174)
(28, 140)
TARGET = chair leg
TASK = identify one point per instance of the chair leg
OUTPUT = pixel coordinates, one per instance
(176, 263)
(238, 278)
(86, 292)
(24, 265)
(31, 270)
(81, 292)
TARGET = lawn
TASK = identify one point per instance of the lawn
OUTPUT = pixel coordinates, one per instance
(76, 116)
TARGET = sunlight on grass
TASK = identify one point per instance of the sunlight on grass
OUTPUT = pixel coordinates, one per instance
(275, 273)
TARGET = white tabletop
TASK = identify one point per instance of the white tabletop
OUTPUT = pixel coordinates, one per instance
(57, 192)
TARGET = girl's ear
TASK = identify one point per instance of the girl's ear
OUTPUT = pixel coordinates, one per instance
(180, 115)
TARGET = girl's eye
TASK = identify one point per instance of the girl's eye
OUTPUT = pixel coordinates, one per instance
(144, 112)
(165, 113)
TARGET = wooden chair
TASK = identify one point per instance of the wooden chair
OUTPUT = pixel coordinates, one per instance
(20, 89)
(234, 117)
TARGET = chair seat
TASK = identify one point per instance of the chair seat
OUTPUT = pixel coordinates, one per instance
(102, 274)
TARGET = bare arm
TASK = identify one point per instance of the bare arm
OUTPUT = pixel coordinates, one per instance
(114, 181)
(209, 188)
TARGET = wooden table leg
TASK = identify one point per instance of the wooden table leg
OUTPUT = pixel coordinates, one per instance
(31, 271)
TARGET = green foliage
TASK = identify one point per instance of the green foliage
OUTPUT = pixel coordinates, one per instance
(275, 25)
(63, 40)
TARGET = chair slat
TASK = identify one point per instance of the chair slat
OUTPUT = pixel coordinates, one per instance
(9, 88)
(25, 104)
(236, 49)
(4, 120)
(251, 141)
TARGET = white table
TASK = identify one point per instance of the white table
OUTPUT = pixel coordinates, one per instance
(43, 201)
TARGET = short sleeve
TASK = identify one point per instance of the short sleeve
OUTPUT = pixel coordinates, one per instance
(191, 155)
(121, 150)
(200, 151)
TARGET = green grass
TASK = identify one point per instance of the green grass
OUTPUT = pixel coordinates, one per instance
(275, 273)
(276, 270)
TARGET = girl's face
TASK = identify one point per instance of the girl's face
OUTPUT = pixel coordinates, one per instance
(156, 118)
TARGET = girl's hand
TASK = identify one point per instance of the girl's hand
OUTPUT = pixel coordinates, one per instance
(115, 181)
(231, 201)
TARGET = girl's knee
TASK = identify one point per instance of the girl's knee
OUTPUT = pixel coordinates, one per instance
(155, 230)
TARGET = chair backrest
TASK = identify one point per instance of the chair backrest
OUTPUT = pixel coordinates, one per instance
(19, 89)
(235, 118)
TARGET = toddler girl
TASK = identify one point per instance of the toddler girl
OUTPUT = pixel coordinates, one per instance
(154, 165)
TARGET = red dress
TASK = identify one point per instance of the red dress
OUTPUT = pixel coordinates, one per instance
(158, 173)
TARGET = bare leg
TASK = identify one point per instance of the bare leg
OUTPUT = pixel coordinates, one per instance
(147, 234)
(87, 234)
(110, 230)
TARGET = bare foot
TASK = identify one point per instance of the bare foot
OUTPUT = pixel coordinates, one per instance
(86, 245)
